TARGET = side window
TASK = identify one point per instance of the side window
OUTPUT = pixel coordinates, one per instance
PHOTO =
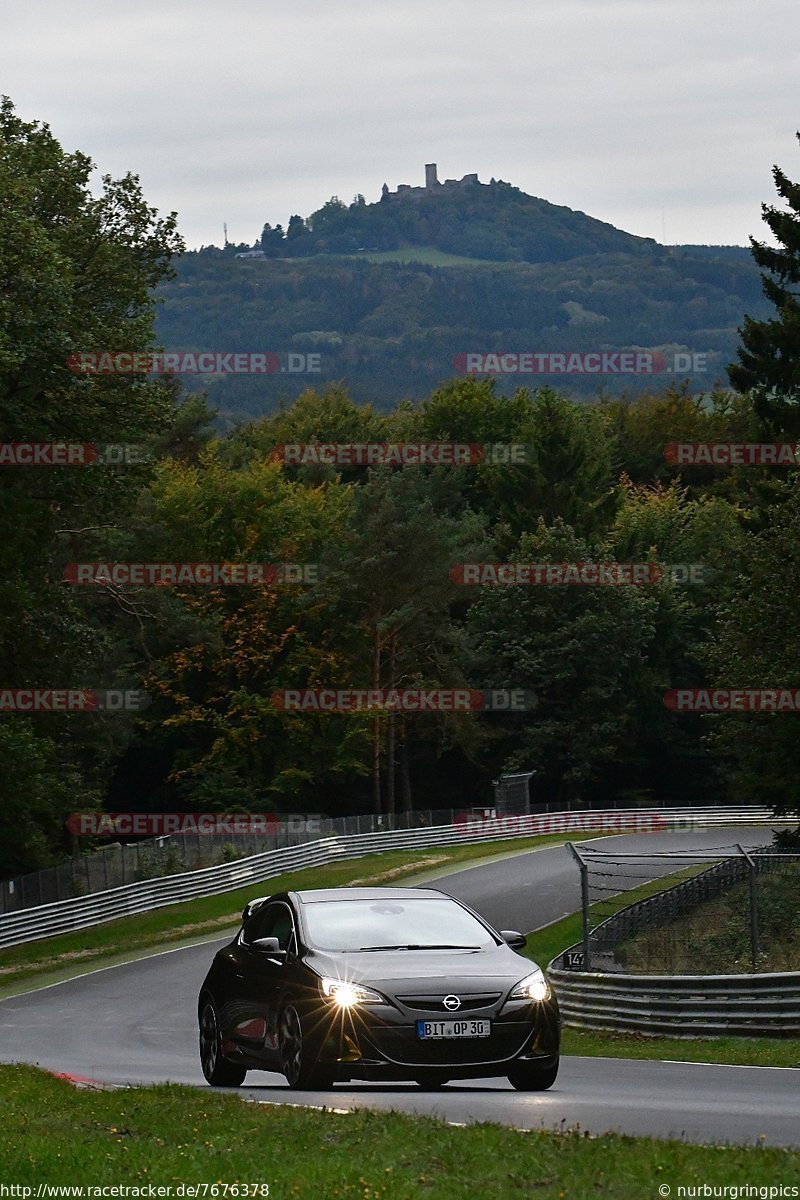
(274, 920)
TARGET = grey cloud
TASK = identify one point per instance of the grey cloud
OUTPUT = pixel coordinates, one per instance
(250, 111)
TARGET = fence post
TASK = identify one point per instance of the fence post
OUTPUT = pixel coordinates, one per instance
(755, 941)
(584, 904)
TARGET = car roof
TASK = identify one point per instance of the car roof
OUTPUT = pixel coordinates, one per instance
(323, 895)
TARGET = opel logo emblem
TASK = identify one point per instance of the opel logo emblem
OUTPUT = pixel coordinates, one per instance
(452, 1003)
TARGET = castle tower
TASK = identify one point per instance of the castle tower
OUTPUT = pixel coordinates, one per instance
(431, 180)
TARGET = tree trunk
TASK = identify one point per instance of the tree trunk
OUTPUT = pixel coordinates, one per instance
(376, 730)
(405, 771)
(390, 738)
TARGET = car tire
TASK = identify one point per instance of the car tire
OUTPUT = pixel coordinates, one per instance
(528, 1077)
(299, 1062)
(217, 1070)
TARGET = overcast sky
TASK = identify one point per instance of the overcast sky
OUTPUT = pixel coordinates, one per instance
(663, 117)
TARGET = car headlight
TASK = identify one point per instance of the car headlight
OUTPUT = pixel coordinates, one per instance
(349, 995)
(532, 987)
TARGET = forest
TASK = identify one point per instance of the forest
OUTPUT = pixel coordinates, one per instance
(367, 588)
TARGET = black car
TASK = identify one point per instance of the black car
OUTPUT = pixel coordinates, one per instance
(375, 983)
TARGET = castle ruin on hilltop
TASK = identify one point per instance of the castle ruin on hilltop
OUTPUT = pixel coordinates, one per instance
(432, 183)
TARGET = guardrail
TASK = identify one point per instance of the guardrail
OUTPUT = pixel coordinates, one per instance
(67, 916)
(681, 1005)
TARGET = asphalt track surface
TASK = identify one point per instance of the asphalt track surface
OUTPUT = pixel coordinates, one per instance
(136, 1024)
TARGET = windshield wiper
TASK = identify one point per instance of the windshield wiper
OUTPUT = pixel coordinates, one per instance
(420, 946)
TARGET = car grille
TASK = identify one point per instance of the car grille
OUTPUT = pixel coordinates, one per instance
(435, 1003)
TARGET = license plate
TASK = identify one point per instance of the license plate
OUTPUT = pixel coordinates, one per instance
(453, 1029)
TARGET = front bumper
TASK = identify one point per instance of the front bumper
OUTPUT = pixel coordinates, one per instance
(381, 1042)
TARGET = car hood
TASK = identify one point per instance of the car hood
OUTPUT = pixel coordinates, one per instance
(426, 969)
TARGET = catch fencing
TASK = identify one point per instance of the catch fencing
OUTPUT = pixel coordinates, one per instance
(68, 915)
(673, 963)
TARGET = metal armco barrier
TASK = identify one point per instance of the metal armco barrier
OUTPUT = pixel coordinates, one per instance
(681, 1005)
(65, 916)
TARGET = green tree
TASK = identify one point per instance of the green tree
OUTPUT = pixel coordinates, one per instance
(645, 426)
(390, 576)
(217, 655)
(700, 542)
(76, 274)
(272, 241)
(755, 643)
(598, 660)
(769, 355)
(296, 228)
(568, 471)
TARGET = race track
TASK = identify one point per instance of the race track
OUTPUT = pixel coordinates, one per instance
(136, 1023)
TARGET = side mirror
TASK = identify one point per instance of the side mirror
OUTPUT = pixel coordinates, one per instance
(251, 907)
(517, 941)
(268, 945)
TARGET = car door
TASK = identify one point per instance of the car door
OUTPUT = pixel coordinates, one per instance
(263, 978)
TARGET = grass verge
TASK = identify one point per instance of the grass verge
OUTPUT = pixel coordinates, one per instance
(733, 1051)
(717, 933)
(169, 1135)
(50, 959)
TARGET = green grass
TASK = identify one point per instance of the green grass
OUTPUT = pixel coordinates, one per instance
(429, 256)
(717, 933)
(736, 1051)
(424, 254)
(544, 944)
(41, 962)
(168, 1135)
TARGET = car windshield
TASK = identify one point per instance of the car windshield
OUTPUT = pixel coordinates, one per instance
(408, 924)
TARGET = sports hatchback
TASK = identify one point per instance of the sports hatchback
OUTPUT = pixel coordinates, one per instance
(375, 984)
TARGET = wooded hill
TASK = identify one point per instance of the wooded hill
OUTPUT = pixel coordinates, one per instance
(388, 294)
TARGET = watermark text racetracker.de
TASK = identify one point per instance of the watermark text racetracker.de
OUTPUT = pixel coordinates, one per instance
(402, 454)
(72, 454)
(580, 362)
(72, 700)
(578, 574)
(577, 822)
(177, 574)
(189, 362)
(733, 454)
(168, 824)
(733, 700)
(403, 700)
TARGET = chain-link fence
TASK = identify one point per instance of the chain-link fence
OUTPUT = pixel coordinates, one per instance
(723, 910)
(119, 864)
